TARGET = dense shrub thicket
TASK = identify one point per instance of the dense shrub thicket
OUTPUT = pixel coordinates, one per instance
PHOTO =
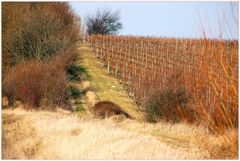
(39, 40)
(37, 30)
(36, 83)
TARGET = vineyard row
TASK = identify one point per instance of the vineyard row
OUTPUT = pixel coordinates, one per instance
(146, 64)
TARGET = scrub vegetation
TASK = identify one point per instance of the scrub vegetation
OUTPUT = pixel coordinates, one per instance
(67, 94)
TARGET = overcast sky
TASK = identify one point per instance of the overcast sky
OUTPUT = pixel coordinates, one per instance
(170, 19)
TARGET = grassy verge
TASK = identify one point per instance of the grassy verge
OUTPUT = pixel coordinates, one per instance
(106, 86)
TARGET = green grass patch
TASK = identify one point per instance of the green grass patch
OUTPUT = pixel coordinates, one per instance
(76, 72)
(75, 93)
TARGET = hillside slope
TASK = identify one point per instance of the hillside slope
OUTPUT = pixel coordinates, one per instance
(66, 135)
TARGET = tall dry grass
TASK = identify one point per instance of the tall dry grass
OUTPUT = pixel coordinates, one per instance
(69, 137)
(220, 69)
(218, 79)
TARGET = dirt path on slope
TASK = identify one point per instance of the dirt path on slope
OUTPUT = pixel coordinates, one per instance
(56, 135)
(105, 86)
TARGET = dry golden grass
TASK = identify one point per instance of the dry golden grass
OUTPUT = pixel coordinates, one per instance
(62, 135)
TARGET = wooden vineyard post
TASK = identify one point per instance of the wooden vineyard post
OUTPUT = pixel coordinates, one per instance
(108, 62)
(137, 62)
(116, 56)
(176, 55)
(160, 55)
(127, 63)
(116, 71)
(112, 58)
(96, 51)
(165, 61)
(155, 61)
(121, 52)
(101, 56)
(146, 54)
(139, 83)
(108, 66)
(118, 51)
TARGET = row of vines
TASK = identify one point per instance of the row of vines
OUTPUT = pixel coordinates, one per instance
(207, 69)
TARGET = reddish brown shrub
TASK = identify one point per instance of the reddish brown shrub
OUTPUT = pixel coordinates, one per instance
(34, 81)
(34, 37)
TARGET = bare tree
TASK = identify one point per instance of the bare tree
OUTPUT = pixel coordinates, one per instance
(103, 22)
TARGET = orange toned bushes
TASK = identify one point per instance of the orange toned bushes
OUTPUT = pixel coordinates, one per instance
(214, 88)
(34, 81)
(39, 40)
